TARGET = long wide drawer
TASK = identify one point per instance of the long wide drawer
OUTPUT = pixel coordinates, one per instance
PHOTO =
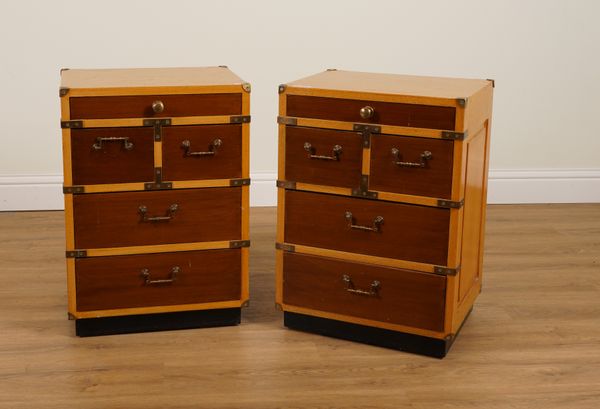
(388, 295)
(202, 152)
(389, 113)
(157, 217)
(323, 156)
(150, 106)
(378, 228)
(147, 280)
(112, 155)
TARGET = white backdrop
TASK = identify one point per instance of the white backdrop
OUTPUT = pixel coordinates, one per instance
(544, 56)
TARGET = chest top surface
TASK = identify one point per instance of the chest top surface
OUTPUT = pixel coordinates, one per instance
(148, 77)
(418, 86)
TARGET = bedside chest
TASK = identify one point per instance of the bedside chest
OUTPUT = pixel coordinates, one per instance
(156, 184)
(381, 206)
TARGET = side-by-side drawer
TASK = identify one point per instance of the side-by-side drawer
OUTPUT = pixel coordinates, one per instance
(323, 156)
(413, 166)
(157, 217)
(148, 106)
(202, 152)
(388, 113)
(382, 294)
(148, 280)
(112, 155)
(377, 228)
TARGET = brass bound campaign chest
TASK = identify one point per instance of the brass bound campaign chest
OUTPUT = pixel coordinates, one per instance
(381, 206)
(156, 188)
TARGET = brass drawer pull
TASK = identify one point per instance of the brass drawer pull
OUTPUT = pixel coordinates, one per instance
(372, 292)
(212, 148)
(146, 276)
(377, 222)
(125, 139)
(425, 156)
(367, 112)
(158, 106)
(169, 215)
(337, 149)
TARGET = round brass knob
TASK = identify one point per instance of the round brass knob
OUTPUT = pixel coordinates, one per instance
(367, 112)
(158, 106)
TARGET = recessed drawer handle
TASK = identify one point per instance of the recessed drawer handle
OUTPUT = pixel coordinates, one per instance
(101, 139)
(372, 292)
(147, 281)
(377, 222)
(212, 148)
(367, 112)
(169, 215)
(337, 149)
(425, 156)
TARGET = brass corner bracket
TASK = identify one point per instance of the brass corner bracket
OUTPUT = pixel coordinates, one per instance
(285, 247)
(62, 91)
(281, 88)
(448, 271)
(246, 86)
(239, 119)
(457, 136)
(462, 102)
(451, 204)
(287, 120)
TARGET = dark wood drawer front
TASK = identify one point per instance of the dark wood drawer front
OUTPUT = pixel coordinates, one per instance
(323, 156)
(361, 290)
(389, 113)
(117, 219)
(112, 155)
(202, 152)
(140, 106)
(148, 280)
(413, 166)
(407, 232)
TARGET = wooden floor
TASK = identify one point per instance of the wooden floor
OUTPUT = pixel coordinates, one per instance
(532, 341)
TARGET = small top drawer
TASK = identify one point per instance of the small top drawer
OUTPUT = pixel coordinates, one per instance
(149, 106)
(388, 113)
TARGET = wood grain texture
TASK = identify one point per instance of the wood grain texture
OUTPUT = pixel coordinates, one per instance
(140, 106)
(112, 162)
(433, 180)
(408, 232)
(224, 164)
(114, 219)
(337, 109)
(300, 167)
(403, 297)
(530, 343)
(117, 282)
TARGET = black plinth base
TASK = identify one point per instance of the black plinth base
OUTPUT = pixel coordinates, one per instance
(89, 327)
(401, 341)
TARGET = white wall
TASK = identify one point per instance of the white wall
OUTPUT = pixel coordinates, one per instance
(544, 56)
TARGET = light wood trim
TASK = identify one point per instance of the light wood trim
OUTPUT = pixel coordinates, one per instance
(278, 277)
(280, 214)
(364, 258)
(402, 198)
(65, 108)
(405, 99)
(157, 309)
(281, 153)
(116, 187)
(245, 212)
(121, 91)
(465, 306)
(158, 154)
(157, 248)
(67, 164)
(363, 321)
(245, 290)
(189, 184)
(181, 120)
(385, 129)
(69, 223)
(366, 161)
(71, 286)
(246, 136)
(455, 236)
(324, 189)
(450, 303)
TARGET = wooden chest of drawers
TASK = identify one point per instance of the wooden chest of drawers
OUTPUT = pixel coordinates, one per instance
(156, 183)
(381, 206)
